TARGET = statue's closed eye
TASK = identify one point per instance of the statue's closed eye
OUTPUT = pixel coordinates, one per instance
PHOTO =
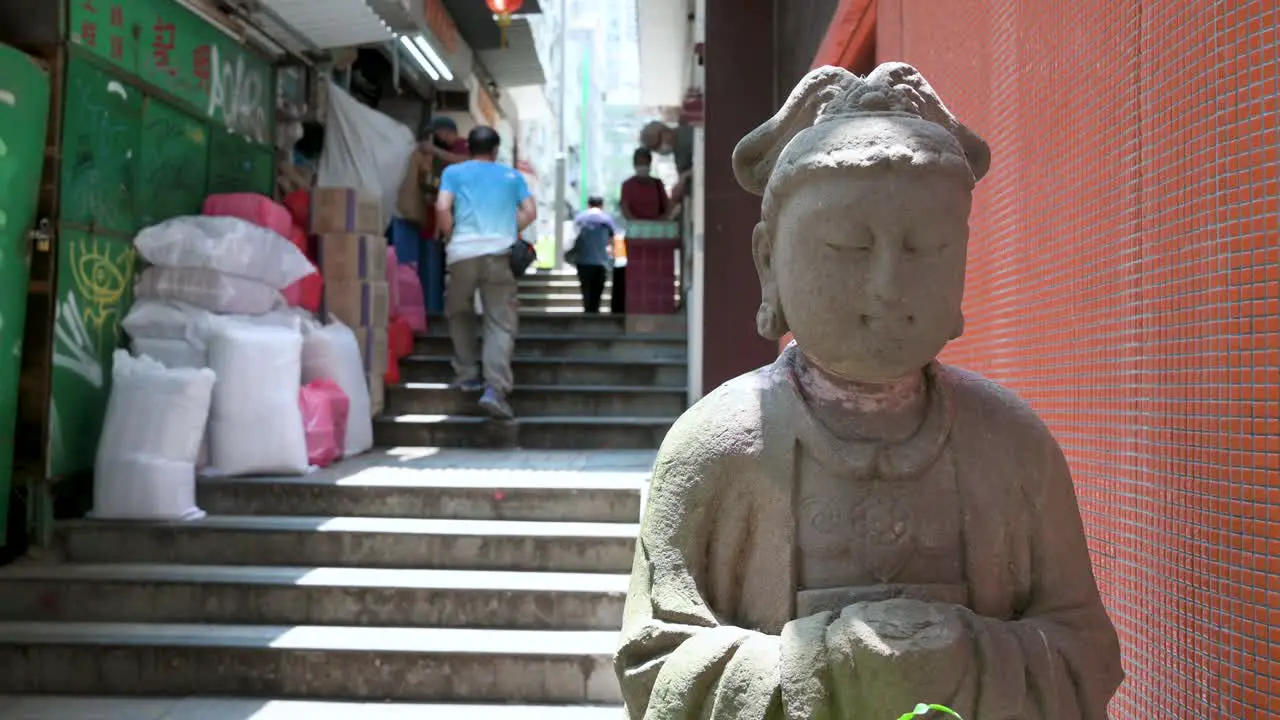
(859, 246)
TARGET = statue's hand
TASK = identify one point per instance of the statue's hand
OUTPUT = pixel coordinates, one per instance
(892, 654)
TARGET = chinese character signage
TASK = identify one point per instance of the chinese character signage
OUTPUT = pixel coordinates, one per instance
(104, 28)
(175, 50)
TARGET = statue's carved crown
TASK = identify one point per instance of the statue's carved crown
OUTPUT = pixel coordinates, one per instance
(863, 97)
(894, 91)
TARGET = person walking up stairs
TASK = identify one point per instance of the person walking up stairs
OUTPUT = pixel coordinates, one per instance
(592, 252)
(482, 205)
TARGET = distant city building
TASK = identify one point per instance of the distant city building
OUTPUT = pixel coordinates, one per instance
(601, 103)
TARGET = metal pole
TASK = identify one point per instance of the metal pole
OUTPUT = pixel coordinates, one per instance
(698, 267)
(561, 159)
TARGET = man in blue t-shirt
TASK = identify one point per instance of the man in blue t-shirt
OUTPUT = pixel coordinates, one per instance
(480, 210)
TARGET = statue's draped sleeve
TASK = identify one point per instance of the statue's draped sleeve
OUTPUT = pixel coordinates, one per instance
(677, 659)
(1058, 658)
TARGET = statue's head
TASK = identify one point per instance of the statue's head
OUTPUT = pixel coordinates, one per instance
(861, 246)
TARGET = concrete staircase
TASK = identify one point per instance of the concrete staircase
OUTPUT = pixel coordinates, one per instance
(432, 579)
(556, 291)
(582, 382)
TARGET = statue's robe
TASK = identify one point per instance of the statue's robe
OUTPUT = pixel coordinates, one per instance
(719, 625)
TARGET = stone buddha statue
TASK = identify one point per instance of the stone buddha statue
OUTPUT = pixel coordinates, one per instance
(858, 528)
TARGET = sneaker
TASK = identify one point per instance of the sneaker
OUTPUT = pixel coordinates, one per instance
(496, 405)
(468, 386)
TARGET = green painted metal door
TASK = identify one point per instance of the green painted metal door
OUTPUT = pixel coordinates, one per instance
(98, 217)
(24, 110)
(237, 165)
(173, 164)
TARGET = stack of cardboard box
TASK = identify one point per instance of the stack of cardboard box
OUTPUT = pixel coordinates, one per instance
(351, 251)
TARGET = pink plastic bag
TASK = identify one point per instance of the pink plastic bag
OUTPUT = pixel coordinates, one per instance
(307, 293)
(324, 416)
(257, 209)
(412, 307)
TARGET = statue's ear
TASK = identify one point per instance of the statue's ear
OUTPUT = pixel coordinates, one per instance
(757, 153)
(762, 252)
(771, 322)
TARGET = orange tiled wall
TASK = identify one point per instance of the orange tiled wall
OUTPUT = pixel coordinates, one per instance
(1125, 278)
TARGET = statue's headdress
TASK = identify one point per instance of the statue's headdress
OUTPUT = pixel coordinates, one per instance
(835, 119)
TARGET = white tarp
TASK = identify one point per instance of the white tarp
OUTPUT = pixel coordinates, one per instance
(364, 149)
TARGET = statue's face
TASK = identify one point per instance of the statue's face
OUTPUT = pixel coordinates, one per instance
(870, 268)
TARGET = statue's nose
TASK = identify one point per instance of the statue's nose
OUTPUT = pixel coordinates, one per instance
(885, 282)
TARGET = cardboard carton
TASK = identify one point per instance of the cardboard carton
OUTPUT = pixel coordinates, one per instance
(358, 303)
(345, 257)
(345, 210)
(377, 393)
(373, 348)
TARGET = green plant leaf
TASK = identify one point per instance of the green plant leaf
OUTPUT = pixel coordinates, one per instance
(925, 708)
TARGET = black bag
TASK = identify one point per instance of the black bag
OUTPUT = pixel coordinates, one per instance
(522, 256)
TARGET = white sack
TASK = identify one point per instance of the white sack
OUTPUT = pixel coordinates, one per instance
(331, 352)
(177, 354)
(364, 149)
(171, 353)
(226, 244)
(168, 319)
(152, 319)
(155, 420)
(255, 425)
(208, 289)
(177, 334)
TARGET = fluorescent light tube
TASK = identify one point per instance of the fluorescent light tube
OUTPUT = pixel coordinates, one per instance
(434, 57)
(418, 57)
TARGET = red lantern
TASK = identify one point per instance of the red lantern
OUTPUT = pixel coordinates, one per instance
(503, 10)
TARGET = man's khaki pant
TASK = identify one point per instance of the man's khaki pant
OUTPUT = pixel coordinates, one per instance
(491, 275)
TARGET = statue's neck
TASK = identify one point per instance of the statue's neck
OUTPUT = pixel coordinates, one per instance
(889, 411)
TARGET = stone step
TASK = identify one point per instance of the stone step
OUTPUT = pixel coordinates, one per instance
(655, 372)
(550, 433)
(311, 596)
(563, 283)
(452, 493)
(544, 322)
(303, 661)
(108, 708)
(357, 542)
(547, 323)
(532, 300)
(542, 400)
(556, 273)
(560, 310)
(666, 347)
(542, 283)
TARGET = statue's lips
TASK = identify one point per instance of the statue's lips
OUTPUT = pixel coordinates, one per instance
(895, 324)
